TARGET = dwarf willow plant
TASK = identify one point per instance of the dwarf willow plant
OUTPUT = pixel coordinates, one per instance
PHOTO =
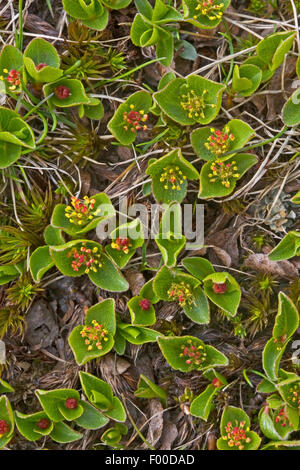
(192, 291)
(188, 353)
(280, 416)
(141, 307)
(190, 100)
(202, 405)
(170, 175)
(126, 239)
(42, 62)
(15, 136)
(151, 26)
(131, 117)
(61, 405)
(220, 174)
(235, 431)
(93, 13)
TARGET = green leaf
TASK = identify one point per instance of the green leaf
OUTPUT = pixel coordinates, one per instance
(286, 323)
(91, 384)
(63, 433)
(266, 424)
(14, 134)
(94, 110)
(246, 79)
(287, 248)
(170, 240)
(266, 387)
(137, 334)
(291, 110)
(91, 418)
(5, 387)
(240, 131)
(202, 405)
(138, 103)
(8, 273)
(198, 267)
(282, 445)
(147, 292)
(147, 389)
(40, 262)
(198, 311)
(165, 47)
(273, 48)
(53, 236)
(91, 12)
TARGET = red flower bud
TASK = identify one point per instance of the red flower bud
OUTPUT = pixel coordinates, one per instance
(71, 403)
(43, 423)
(219, 288)
(62, 92)
(4, 427)
(145, 304)
(216, 382)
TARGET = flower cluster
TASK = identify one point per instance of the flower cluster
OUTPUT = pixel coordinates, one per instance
(181, 293)
(62, 92)
(122, 244)
(219, 141)
(219, 288)
(94, 335)
(195, 105)
(13, 78)
(282, 418)
(134, 120)
(71, 403)
(145, 304)
(85, 257)
(82, 211)
(4, 427)
(216, 382)
(294, 397)
(223, 172)
(193, 354)
(236, 435)
(172, 175)
(210, 8)
(43, 423)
